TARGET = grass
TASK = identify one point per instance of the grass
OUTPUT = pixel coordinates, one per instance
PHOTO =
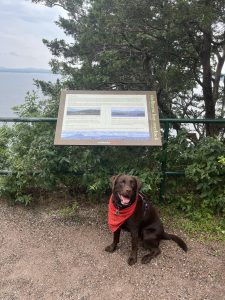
(66, 212)
(199, 224)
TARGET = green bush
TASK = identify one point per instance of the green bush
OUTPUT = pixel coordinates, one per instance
(208, 174)
(5, 135)
(222, 160)
(203, 186)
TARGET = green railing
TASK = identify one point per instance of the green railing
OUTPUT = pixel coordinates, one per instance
(166, 124)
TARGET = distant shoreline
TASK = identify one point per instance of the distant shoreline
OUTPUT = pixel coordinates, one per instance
(25, 70)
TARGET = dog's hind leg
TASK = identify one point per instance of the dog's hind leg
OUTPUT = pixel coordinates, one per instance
(148, 257)
(151, 244)
(116, 239)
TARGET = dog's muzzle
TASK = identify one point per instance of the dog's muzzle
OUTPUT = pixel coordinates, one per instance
(124, 200)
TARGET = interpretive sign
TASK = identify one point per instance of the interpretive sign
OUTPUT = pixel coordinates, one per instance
(108, 118)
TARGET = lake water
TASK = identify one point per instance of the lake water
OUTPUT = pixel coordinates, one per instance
(14, 87)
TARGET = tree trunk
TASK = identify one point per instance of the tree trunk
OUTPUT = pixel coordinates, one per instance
(207, 82)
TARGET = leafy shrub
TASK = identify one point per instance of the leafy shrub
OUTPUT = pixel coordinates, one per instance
(5, 135)
(203, 186)
(222, 160)
(207, 173)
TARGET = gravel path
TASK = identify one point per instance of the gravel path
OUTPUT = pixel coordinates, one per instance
(47, 257)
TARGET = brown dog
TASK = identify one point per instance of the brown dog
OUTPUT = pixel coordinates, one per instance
(129, 211)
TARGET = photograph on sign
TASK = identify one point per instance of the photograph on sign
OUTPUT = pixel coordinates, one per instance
(108, 118)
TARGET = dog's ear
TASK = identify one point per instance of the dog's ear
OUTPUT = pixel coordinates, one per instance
(113, 180)
(139, 184)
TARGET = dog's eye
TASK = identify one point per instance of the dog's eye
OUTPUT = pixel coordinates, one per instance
(122, 182)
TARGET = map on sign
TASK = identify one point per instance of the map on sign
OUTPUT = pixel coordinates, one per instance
(108, 118)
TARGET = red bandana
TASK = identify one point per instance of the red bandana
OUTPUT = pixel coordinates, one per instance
(117, 217)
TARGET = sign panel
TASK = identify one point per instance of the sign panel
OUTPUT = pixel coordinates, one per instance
(108, 118)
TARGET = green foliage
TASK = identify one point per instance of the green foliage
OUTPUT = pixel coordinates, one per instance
(178, 146)
(24, 199)
(208, 174)
(69, 211)
(222, 160)
(203, 186)
(5, 134)
(200, 224)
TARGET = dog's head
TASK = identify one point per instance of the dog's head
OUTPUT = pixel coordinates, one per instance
(125, 189)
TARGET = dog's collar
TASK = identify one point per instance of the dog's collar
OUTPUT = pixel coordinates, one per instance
(145, 204)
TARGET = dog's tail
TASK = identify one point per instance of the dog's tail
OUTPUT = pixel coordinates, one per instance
(175, 238)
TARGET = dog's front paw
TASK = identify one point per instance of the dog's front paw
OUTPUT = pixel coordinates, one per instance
(111, 248)
(132, 260)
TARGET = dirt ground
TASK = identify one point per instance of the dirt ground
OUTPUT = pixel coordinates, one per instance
(44, 256)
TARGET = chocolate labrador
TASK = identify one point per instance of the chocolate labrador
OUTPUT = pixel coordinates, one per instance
(128, 210)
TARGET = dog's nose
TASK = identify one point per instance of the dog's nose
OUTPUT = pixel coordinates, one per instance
(128, 190)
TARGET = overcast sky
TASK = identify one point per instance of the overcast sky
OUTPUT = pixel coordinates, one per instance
(23, 25)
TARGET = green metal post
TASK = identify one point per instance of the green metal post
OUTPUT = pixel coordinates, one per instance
(162, 187)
